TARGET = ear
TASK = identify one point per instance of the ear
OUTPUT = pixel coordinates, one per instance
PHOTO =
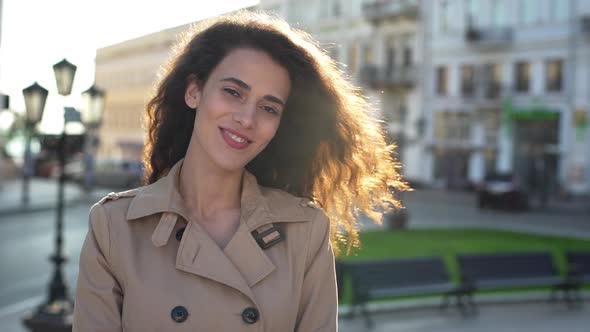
(192, 95)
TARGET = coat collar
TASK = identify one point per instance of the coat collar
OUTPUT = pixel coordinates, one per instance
(257, 208)
(242, 263)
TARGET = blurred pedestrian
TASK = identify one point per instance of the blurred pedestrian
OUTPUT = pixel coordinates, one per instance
(259, 153)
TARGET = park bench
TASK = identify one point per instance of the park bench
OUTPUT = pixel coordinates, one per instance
(578, 263)
(340, 278)
(510, 270)
(395, 278)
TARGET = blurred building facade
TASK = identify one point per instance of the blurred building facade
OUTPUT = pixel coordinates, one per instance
(127, 71)
(467, 88)
(507, 91)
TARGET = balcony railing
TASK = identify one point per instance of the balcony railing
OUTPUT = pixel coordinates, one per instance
(483, 91)
(381, 77)
(378, 10)
(489, 37)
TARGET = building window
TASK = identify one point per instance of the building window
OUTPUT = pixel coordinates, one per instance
(560, 10)
(530, 12)
(554, 75)
(452, 126)
(467, 80)
(499, 13)
(442, 80)
(390, 60)
(448, 13)
(367, 55)
(408, 56)
(473, 10)
(491, 125)
(523, 76)
(493, 80)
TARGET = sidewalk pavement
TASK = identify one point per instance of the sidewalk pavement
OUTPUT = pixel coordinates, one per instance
(505, 316)
(433, 208)
(42, 196)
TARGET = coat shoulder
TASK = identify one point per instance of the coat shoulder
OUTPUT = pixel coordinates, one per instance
(286, 204)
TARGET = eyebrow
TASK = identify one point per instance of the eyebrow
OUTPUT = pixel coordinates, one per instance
(245, 86)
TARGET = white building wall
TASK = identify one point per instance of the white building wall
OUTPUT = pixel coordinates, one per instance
(548, 37)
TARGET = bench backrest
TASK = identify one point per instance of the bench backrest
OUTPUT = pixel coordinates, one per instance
(405, 272)
(506, 266)
(578, 262)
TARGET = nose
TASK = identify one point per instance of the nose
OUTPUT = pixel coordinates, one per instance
(246, 116)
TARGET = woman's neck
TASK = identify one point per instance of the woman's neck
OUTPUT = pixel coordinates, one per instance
(207, 190)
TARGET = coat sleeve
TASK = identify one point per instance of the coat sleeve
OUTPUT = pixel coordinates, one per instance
(98, 294)
(318, 309)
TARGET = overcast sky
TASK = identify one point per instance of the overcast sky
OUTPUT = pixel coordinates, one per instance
(38, 33)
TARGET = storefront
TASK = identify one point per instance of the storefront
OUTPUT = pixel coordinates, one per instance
(535, 135)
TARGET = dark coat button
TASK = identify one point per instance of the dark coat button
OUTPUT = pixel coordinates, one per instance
(179, 314)
(179, 234)
(250, 315)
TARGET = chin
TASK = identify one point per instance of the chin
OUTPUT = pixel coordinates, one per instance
(231, 166)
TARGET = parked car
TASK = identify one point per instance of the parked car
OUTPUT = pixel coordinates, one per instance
(502, 191)
(110, 173)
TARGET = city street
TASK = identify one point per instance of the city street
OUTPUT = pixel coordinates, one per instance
(27, 239)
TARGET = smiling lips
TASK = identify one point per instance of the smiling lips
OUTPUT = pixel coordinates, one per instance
(234, 139)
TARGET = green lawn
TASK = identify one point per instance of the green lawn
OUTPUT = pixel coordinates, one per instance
(450, 242)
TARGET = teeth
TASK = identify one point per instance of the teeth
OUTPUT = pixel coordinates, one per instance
(235, 137)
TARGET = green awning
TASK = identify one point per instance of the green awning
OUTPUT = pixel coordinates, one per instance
(531, 113)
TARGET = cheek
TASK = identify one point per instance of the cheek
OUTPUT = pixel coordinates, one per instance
(269, 129)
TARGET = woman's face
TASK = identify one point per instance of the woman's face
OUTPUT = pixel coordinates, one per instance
(239, 108)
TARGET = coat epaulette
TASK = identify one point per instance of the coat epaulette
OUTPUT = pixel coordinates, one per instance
(306, 202)
(113, 196)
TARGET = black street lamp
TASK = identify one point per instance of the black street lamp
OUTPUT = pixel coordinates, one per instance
(56, 313)
(93, 106)
(35, 98)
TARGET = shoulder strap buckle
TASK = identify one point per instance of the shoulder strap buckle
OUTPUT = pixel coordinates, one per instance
(268, 235)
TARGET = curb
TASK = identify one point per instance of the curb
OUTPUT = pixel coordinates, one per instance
(432, 303)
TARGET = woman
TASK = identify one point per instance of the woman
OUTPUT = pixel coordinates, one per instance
(251, 129)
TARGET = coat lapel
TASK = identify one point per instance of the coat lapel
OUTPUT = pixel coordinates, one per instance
(247, 256)
(200, 255)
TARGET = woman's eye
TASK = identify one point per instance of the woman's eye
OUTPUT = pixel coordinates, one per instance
(270, 110)
(232, 92)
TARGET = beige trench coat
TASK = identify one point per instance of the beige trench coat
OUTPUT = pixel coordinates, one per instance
(140, 272)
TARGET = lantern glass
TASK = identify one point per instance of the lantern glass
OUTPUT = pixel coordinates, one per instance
(35, 98)
(93, 101)
(64, 76)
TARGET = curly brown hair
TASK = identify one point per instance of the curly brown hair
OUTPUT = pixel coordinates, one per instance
(328, 147)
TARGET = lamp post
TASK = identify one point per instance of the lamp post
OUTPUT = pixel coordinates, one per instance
(93, 106)
(35, 98)
(56, 313)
